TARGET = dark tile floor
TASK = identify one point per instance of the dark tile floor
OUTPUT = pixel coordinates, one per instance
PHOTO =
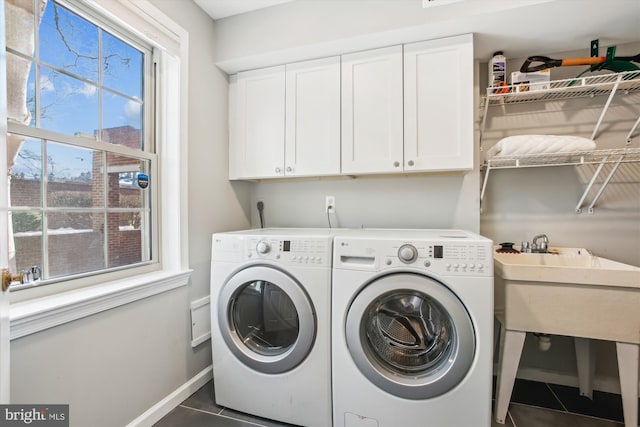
(533, 404)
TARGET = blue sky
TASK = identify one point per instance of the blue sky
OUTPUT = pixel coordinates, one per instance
(73, 45)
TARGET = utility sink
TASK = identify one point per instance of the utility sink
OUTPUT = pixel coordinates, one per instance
(570, 292)
(566, 265)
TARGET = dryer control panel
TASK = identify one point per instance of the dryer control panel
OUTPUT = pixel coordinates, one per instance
(468, 258)
(289, 251)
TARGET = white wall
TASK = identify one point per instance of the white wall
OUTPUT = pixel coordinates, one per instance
(437, 201)
(305, 29)
(113, 366)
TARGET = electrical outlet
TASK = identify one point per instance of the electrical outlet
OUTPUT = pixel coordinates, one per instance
(330, 204)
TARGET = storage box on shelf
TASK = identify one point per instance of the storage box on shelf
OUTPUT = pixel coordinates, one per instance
(598, 85)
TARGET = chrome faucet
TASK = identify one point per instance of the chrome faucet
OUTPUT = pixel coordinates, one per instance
(543, 245)
(36, 273)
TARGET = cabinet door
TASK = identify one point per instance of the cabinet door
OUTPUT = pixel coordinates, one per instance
(235, 151)
(372, 111)
(312, 145)
(438, 104)
(259, 130)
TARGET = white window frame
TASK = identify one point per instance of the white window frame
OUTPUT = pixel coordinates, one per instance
(39, 308)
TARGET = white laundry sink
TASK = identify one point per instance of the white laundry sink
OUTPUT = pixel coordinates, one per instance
(566, 265)
(568, 291)
(573, 293)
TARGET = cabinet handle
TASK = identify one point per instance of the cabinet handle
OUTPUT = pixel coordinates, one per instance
(278, 170)
(289, 169)
(410, 162)
(396, 164)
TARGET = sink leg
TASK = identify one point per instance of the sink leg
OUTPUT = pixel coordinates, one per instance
(628, 357)
(586, 358)
(511, 343)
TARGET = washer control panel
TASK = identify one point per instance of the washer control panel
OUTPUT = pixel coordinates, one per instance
(468, 258)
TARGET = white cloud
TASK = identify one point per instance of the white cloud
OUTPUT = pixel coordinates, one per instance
(87, 90)
(46, 85)
(132, 110)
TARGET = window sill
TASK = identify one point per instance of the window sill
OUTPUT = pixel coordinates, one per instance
(36, 315)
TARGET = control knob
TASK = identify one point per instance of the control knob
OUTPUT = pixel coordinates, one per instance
(407, 253)
(263, 247)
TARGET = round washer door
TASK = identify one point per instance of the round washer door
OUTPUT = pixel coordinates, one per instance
(266, 319)
(410, 335)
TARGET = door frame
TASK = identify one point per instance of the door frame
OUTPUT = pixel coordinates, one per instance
(5, 330)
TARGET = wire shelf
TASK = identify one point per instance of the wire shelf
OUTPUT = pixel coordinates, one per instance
(581, 87)
(619, 155)
(614, 157)
(589, 86)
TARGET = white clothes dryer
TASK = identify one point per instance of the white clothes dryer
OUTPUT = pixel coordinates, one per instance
(270, 323)
(412, 328)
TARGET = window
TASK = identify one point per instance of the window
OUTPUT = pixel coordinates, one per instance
(80, 152)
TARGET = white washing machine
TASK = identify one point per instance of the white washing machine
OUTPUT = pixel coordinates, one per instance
(412, 328)
(270, 323)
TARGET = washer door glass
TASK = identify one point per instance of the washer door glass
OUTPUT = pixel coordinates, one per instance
(410, 335)
(266, 319)
(408, 332)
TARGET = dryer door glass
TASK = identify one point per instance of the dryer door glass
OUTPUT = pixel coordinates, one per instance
(410, 335)
(265, 318)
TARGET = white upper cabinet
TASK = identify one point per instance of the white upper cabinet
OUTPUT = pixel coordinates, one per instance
(391, 110)
(372, 111)
(438, 104)
(312, 146)
(257, 130)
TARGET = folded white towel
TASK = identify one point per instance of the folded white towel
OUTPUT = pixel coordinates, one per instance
(540, 144)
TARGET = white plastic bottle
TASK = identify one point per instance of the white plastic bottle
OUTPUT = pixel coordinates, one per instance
(498, 70)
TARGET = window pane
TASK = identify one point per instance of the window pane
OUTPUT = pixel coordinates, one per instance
(26, 173)
(75, 242)
(70, 173)
(67, 105)
(121, 66)
(127, 228)
(20, 25)
(122, 120)
(69, 42)
(27, 238)
(123, 189)
(126, 238)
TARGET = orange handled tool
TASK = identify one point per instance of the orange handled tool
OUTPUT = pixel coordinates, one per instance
(547, 62)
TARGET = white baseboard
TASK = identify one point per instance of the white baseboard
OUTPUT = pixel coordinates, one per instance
(166, 405)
